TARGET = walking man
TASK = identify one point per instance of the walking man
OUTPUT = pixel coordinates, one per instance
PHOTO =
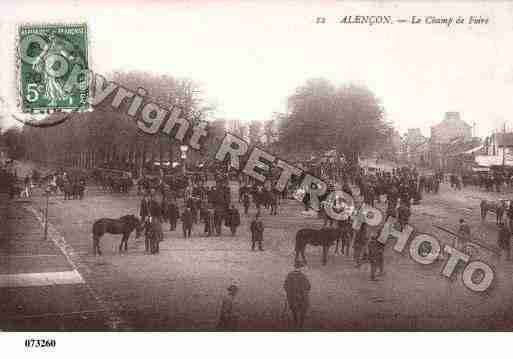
(257, 232)
(297, 286)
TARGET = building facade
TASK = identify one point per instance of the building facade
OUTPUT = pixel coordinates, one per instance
(443, 135)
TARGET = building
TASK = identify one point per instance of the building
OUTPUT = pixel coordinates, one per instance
(443, 136)
(450, 128)
(414, 148)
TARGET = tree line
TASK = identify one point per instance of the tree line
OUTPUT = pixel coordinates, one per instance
(320, 117)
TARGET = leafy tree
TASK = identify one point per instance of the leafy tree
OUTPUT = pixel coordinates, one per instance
(322, 117)
(109, 135)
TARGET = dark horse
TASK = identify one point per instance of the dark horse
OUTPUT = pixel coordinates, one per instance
(324, 237)
(124, 225)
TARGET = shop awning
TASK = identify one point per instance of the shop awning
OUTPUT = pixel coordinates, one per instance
(488, 161)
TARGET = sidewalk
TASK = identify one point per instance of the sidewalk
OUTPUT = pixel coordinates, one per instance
(39, 288)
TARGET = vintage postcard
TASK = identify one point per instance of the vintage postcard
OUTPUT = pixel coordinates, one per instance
(244, 166)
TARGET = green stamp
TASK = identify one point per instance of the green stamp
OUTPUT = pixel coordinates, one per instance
(53, 68)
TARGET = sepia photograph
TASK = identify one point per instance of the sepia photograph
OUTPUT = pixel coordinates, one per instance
(242, 166)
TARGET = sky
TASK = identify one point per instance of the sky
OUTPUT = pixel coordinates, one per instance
(249, 57)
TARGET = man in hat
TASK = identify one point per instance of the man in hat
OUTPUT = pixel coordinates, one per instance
(376, 251)
(187, 222)
(245, 202)
(359, 243)
(463, 235)
(209, 221)
(144, 207)
(233, 219)
(218, 219)
(297, 286)
(172, 212)
(257, 232)
(228, 318)
(155, 219)
(504, 240)
(403, 214)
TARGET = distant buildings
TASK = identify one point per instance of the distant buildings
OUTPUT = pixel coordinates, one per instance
(447, 148)
(451, 127)
(497, 150)
(444, 136)
(414, 146)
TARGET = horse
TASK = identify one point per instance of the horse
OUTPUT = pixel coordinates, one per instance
(124, 225)
(324, 237)
(499, 207)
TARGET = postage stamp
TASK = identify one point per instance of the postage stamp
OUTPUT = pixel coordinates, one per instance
(52, 67)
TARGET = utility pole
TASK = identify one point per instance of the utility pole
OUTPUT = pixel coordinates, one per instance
(47, 193)
(504, 146)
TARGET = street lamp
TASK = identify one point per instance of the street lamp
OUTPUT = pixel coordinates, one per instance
(47, 193)
(184, 149)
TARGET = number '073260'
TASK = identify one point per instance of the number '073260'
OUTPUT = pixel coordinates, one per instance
(40, 343)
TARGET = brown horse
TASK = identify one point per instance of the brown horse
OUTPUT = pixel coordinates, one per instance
(324, 237)
(124, 225)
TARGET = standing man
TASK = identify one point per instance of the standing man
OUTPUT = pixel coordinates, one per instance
(504, 240)
(257, 232)
(245, 202)
(218, 219)
(26, 189)
(228, 318)
(376, 252)
(187, 222)
(144, 213)
(403, 214)
(297, 286)
(233, 219)
(172, 213)
(155, 219)
(510, 215)
(463, 233)
(273, 202)
(209, 221)
(144, 207)
(360, 241)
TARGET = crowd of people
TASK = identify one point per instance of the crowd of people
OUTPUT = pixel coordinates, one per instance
(211, 208)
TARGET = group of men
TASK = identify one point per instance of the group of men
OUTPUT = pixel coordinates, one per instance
(211, 206)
